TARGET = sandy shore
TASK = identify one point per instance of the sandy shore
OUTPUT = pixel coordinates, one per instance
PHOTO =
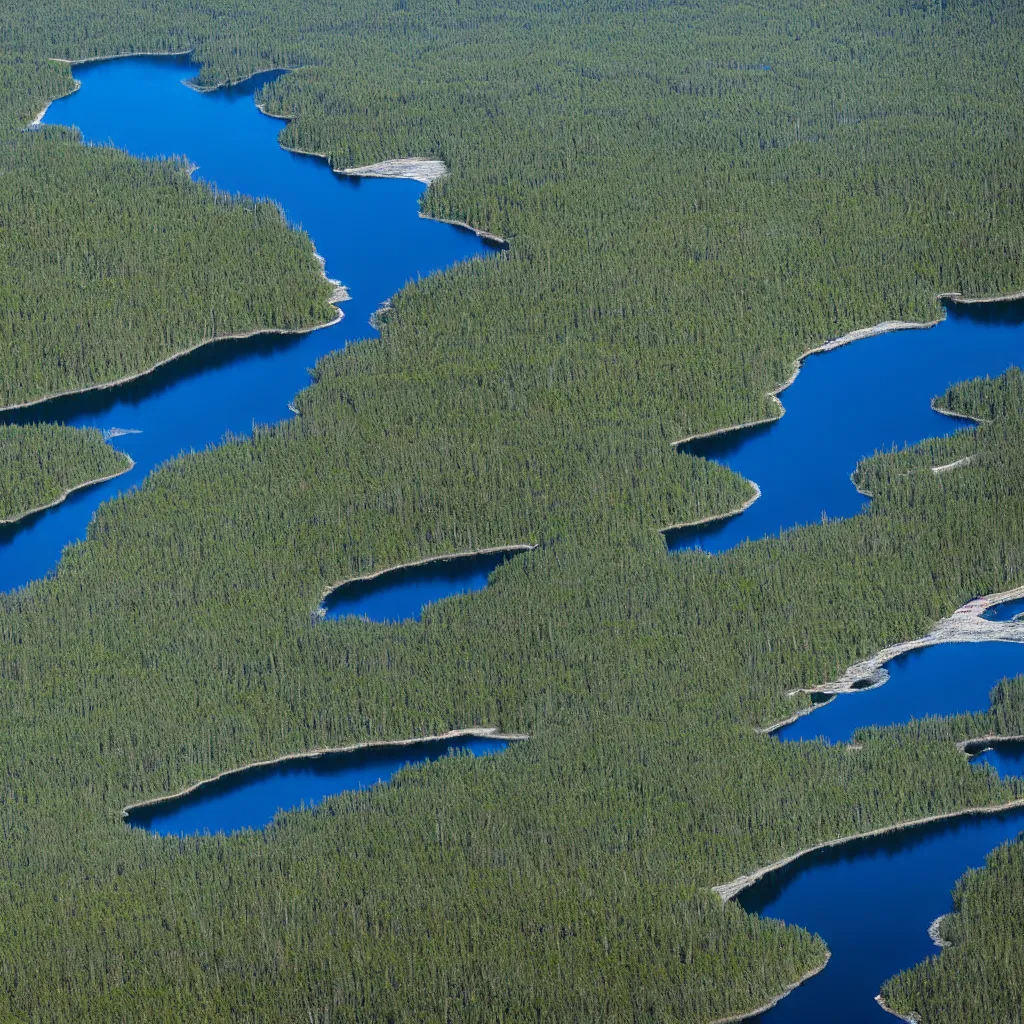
(485, 732)
(965, 625)
(427, 561)
(70, 491)
(910, 1019)
(934, 932)
(416, 168)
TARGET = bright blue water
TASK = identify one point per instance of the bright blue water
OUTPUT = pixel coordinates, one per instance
(250, 798)
(368, 231)
(946, 679)
(872, 901)
(845, 405)
(1006, 756)
(402, 594)
(1005, 612)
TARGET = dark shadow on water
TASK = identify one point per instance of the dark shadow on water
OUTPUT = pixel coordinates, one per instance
(252, 797)
(401, 594)
(97, 401)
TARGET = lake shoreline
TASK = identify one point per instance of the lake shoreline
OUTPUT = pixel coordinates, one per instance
(729, 890)
(511, 548)
(396, 168)
(107, 385)
(885, 327)
(969, 627)
(736, 1018)
(718, 516)
(483, 732)
(71, 490)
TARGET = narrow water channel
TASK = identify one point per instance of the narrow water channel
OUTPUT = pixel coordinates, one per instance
(368, 231)
(252, 797)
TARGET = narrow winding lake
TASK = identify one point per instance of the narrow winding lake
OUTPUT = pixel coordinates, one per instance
(845, 405)
(368, 231)
(250, 798)
(946, 679)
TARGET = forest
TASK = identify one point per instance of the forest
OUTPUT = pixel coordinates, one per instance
(980, 976)
(41, 463)
(112, 265)
(694, 195)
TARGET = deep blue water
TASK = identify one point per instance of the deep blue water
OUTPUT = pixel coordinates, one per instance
(368, 230)
(872, 901)
(946, 679)
(1005, 612)
(402, 594)
(845, 405)
(1007, 757)
(250, 798)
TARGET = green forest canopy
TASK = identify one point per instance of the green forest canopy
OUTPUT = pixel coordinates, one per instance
(694, 195)
(39, 464)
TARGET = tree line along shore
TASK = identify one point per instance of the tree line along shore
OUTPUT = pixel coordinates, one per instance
(692, 199)
(41, 464)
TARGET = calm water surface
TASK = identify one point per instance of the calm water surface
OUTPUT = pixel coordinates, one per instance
(846, 405)
(368, 231)
(1005, 612)
(946, 679)
(402, 594)
(872, 901)
(252, 797)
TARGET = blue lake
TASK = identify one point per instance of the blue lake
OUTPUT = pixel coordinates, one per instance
(845, 405)
(946, 679)
(872, 901)
(1006, 757)
(1005, 612)
(250, 798)
(368, 231)
(403, 593)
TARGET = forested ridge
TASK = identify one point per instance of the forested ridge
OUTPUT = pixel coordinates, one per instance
(694, 195)
(40, 463)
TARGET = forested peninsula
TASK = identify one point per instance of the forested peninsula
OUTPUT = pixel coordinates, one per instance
(41, 464)
(112, 265)
(693, 196)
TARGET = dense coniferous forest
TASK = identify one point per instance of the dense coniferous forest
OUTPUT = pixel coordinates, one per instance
(979, 978)
(39, 464)
(694, 195)
(132, 263)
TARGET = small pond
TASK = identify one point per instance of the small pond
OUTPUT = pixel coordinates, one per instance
(251, 797)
